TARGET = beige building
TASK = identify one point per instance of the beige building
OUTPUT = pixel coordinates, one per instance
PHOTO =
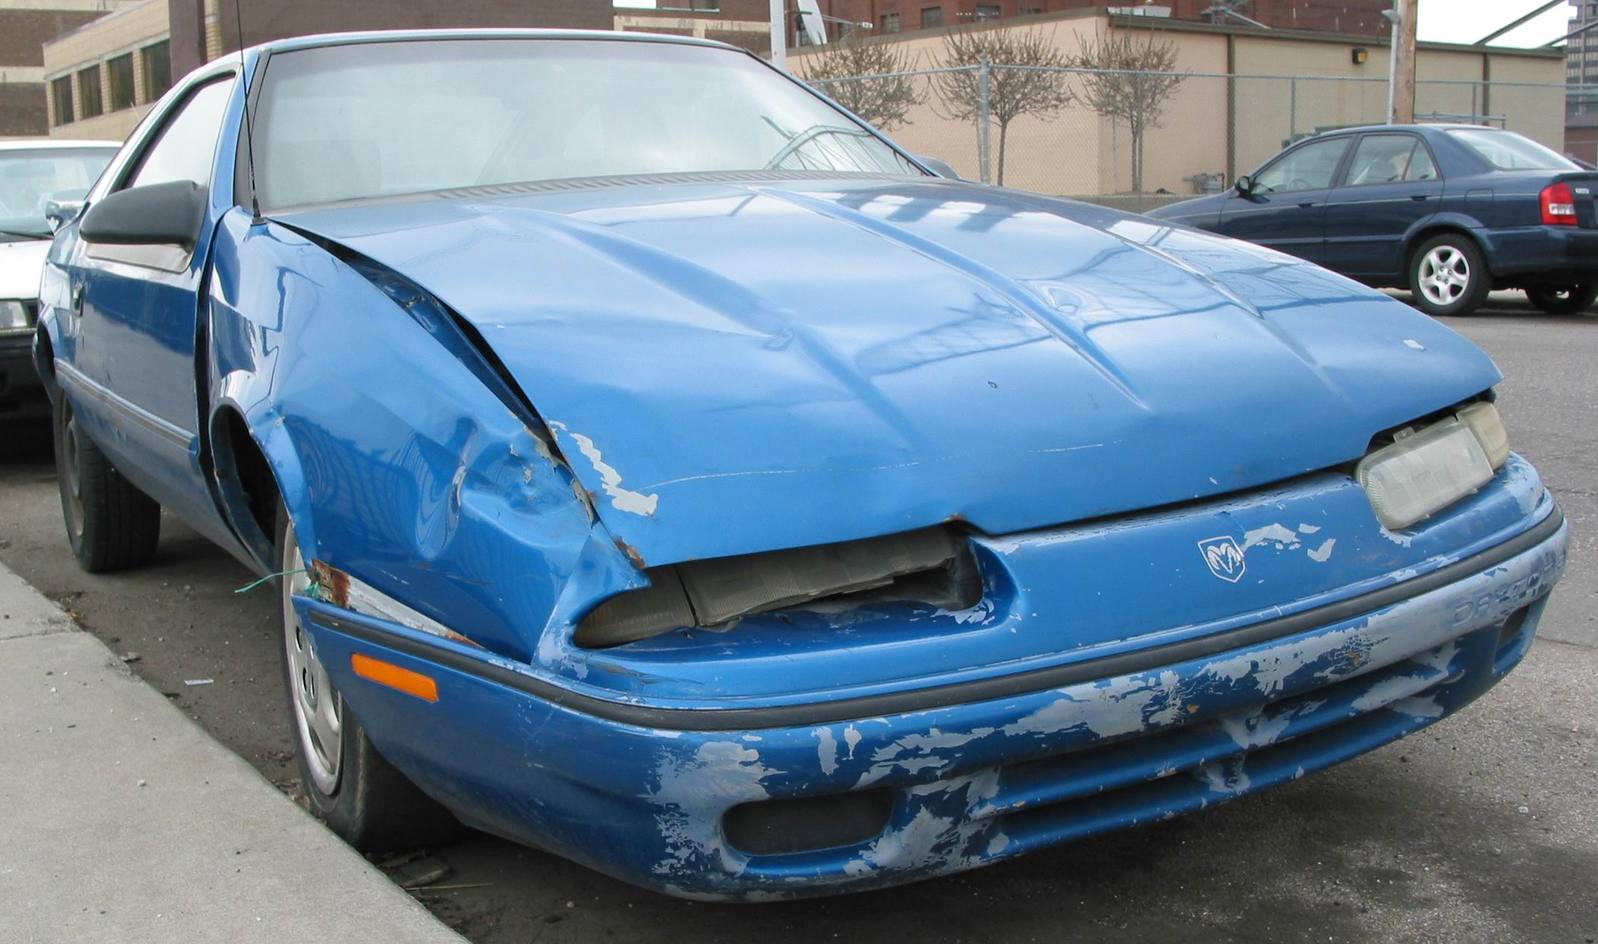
(102, 77)
(1248, 93)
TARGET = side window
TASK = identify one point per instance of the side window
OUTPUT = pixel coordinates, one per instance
(1420, 164)
(1381, 159)
(1309, 167)
(185, 148)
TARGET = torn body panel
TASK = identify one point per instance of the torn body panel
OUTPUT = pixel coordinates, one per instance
(398, 464)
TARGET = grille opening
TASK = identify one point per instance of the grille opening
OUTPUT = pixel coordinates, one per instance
(1509, 635)
(933, 567)
(807, 824)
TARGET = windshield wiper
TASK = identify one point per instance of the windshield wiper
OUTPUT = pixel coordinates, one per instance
(810, 134)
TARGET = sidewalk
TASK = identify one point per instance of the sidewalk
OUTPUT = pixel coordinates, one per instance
(121, 821)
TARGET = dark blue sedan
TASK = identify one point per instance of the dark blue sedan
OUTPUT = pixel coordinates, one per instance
(1447, 211)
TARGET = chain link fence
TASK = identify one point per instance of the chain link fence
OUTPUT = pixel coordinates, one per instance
(1196, 131)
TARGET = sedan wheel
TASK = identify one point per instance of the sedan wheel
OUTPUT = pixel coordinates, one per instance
(348, 783)
(1563, 299)
(1448, 276)
(110, 524)
(318, 709)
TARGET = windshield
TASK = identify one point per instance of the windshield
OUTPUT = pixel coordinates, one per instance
(31, 178)
(1507, 150)
(366, 120)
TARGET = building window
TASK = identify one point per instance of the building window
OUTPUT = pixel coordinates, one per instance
(120, 72)
(89, 92)
(61, 98)
(890, 22)
(931, 17)
(987, 11)
(157, 61)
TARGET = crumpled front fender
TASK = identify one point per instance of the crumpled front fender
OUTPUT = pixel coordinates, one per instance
(398, 466)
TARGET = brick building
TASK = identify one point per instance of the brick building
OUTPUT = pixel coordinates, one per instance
(24, 27)
(103, 75)
(745, 23)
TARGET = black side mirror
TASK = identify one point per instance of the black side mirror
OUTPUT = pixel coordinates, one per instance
(1244, 184)
(939, 167)
(156, 214)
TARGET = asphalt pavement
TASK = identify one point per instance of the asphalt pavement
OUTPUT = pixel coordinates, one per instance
(1481, 828)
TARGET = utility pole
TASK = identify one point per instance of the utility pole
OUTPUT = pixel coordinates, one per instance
(1401, 83)
(779, 33)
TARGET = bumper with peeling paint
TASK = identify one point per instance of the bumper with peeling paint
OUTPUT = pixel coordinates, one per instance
(973, 782)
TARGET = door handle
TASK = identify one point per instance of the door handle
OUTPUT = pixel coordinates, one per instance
(1306, 206)
(1419, 196)
(77, 298)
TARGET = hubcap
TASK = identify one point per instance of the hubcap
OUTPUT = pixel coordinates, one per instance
(1444, 275)
(318, 709)
(70, 473)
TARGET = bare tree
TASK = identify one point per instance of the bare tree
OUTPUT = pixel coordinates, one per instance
(1139, 77)
(884, 102)
(1011, 92)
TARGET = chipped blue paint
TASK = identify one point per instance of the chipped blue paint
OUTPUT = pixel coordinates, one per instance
(701, 368)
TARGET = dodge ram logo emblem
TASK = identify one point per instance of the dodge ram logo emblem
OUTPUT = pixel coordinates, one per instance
(1224, 557)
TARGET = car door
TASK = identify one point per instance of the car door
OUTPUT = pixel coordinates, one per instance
(1286, 206)
(1391, 184)
(135, 309)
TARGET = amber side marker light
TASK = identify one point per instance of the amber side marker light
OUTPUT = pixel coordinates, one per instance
(391, 675)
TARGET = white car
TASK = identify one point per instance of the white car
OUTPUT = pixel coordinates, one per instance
(37, 177)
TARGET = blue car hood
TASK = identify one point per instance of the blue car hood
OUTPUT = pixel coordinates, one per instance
(743, 364)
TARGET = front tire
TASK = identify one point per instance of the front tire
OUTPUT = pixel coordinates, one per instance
(1563, 299)
(1448, 276)
(360, 796)
(110, 524)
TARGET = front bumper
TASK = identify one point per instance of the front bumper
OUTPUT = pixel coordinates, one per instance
(645, 798)
(22, 396)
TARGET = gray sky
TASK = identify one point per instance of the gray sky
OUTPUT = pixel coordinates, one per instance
(1465, 21)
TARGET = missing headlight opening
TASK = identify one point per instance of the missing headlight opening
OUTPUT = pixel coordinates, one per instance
(932, 566)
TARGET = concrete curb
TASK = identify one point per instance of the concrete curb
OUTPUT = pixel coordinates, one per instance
(124, 822)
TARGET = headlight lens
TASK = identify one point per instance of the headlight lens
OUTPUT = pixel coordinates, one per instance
(15, 317)
(1433, 467)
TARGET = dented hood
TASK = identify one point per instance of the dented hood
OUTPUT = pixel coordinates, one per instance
(737, 365)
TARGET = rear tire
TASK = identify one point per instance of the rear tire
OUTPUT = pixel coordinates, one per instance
(110, 524)
(1448, 276)
(1563, 299)
(360, 796)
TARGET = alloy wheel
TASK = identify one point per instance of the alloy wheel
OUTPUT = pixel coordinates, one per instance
(1444, 275)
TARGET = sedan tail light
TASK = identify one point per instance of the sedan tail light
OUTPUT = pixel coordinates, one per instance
(1558, 205)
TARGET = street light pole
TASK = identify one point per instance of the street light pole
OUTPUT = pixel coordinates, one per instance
(779, 34)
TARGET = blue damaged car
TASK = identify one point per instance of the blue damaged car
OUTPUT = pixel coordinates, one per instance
(662, 468)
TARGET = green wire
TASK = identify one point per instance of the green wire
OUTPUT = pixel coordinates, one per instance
(270, 577)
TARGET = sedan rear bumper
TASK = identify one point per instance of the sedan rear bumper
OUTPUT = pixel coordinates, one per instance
(21, 393)
(803, 809)
(1545, 254)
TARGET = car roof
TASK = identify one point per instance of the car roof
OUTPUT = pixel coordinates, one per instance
(1417, 127)
(37, 144)
(390, 36)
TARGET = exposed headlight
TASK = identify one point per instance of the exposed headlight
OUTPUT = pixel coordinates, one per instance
(16, 317)
(1435, 466)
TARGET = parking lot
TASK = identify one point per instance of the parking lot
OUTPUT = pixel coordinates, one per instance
(1483, 828)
